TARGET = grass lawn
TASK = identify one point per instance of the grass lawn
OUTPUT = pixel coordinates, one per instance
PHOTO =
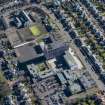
(2, 78)
(103, 54)
(35, 30)
(103, 14)
(42, 67)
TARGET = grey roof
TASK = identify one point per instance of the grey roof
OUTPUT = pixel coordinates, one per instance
(70, 60)
(55, 45)
(26, 53)
(61, 78)
(75, 88)
(87, 80)
(25, 34)
(20, 36)
(32, 68)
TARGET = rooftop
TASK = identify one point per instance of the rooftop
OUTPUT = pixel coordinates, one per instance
(27, 34)
(27, 53)
(20, 36)
(69, 59)
(61, 78)
(75, 88)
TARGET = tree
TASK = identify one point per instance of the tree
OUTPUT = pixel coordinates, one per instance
(4, 87)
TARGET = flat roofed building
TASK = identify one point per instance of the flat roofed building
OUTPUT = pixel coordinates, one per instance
(32, 69)
(75, 88)
(24, 35)
(61, 78)
(67, 75)
(87, 81)
(54, 49)
(20, 37)
(27, 53)
(70, 76)
(70, 60)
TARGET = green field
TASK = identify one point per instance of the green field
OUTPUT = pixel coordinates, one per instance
(35, 30)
